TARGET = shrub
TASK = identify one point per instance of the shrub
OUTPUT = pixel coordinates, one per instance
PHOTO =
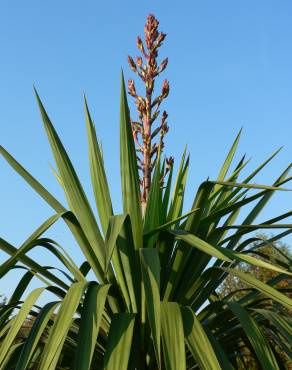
(153, 302)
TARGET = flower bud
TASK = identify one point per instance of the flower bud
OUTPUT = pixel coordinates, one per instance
(164, 116)
(165, 89)
(150, 31)
(139, 62)
(163, 65)
(140, 44)
(169, 162)
(160, 39)
(131, 88)
(132, 64)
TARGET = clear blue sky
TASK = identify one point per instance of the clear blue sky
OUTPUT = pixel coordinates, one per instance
(230, 65)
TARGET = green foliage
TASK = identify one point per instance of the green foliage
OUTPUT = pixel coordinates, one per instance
(153, 303)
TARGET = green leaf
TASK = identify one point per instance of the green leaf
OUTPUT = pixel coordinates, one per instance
(129, 262)
(114, 229)
(170, 223)
(119, 342)
(115, 226)
(34, 241)
(221, 355)
(279, 321)
(176, 205)
(20, 318)
(183, 254)
(223, 253)
(49, 198)
(253, 174)
(35, 333)
(129, 170)
(12, 356)
(249, 186)
(225, 167)
(172, 336)
(25, 246)
(258, 342)
(53, 347)
(120, 246)
(166, 196)
(8, 248)
(98, 176)
(200, 244)
(68, 217)
(151, 278)
(74, 192)
(153, 209)
(198, 342)
(91, 315)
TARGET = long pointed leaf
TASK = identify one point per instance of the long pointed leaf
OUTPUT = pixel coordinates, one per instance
(151, 279)
(119, 342)
(98, 176)
(129, 170)
(198, 341)
(172, 336)
(260, 346)
(75, 195)
(91, 315)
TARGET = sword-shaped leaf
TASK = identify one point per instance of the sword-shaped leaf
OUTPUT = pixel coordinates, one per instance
(261, 347)
(68, 217)
(129, 170)
(172, 336)
(74, 192)
(98, 176)
(91, 314)
(198, 342)
(119, 342)
(151, 278)
(35, 333)
(18, 322)
(64, 318)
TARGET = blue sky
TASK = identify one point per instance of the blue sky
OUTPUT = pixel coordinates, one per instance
(229, 66)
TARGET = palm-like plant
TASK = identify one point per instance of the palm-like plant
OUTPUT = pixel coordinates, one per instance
(153, 303)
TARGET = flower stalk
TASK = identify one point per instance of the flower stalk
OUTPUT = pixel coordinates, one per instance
(149, 141)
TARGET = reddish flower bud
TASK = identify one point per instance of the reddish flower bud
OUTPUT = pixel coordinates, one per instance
(140, 44)
(164, 116)
(132, 64)
(163, 65)
(131, 88)
(139, 62)
(169, 162)
(165, 89)
(150, 31)
(160, 39)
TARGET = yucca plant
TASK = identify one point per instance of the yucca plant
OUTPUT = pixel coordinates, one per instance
(153, 302)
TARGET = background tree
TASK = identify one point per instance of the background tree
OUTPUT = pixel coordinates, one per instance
(268, 250)
(276, 252)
